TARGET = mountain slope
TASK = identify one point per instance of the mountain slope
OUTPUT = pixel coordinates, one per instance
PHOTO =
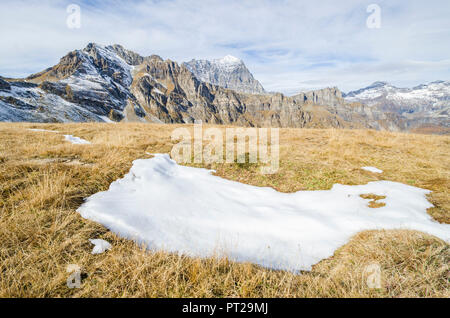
(87, 85)
(228, 72)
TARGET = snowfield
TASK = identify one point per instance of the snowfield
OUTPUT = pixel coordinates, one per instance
(188, 210)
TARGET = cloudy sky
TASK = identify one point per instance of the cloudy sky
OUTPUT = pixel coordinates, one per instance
(289, 45)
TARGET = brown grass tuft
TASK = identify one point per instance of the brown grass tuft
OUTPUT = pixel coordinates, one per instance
(373, 200)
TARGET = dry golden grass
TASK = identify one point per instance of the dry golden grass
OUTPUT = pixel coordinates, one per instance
(43, 180)
(373, 203)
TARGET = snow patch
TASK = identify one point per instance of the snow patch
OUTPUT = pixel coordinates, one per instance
(372, 169)
(107, 120)
(70, 138)
(100, 246)
(188, 210)
(43, 130)
(76, 140)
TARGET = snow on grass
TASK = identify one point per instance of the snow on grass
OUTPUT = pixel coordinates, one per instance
(100, 246)
(76, 140)
(70, 138)
(188, 210)
(43, 130)
(372, 169)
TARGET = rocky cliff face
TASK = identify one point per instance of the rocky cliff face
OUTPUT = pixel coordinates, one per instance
(102, 83)
(228, 72)
(171, 93)
(110, 83)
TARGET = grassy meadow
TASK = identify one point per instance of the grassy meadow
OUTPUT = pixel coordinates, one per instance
(44, 179)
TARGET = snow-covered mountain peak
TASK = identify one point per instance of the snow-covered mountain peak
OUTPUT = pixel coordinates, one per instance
(229, 60)
(436, 85)
(379, 84)
(426, 98)
(92, 45)
(107, 52)
(228, 72)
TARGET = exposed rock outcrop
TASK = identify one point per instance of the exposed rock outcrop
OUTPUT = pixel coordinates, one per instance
(4, 85)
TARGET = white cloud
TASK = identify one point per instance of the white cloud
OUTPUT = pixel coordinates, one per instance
(289, 45)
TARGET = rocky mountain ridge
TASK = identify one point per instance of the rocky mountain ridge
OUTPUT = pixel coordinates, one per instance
(110, 83)
(228, 72)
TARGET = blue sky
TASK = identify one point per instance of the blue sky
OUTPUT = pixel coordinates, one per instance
(289, 45)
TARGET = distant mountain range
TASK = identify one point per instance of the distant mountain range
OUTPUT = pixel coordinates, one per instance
(110, 83)
(420, 106)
